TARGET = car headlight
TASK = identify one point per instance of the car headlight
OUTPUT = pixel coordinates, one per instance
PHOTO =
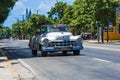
(45, 42)
(79, 39)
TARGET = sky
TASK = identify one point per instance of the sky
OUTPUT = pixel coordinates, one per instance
(43, 6)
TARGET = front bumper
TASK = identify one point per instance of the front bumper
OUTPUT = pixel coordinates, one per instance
(62, 48)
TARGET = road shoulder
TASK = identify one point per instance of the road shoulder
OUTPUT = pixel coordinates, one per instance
(13, 69)
(7, 71)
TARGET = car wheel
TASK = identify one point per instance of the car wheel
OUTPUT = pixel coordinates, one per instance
(76, 52)
(34, 52)
(44, 53)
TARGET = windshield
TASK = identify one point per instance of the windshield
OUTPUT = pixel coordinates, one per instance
(59, 28)
(44, 29)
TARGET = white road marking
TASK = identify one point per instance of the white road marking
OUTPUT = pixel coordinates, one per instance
(101, 60)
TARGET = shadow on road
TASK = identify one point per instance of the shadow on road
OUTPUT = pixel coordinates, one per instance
(22, 53)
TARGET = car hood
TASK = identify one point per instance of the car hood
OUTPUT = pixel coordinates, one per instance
(61, 36)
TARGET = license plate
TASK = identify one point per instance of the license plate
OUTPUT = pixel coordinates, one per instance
(63, 48)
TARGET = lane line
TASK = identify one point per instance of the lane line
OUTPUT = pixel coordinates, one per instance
(101, 60)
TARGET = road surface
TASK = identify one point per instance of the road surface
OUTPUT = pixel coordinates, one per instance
(96, 62)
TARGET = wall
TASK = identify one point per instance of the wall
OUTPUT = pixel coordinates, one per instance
(112, 35)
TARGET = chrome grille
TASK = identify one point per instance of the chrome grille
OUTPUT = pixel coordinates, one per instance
(62, 43)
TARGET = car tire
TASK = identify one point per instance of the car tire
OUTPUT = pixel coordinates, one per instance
(76, 52)
(34, 52)
(44, 53)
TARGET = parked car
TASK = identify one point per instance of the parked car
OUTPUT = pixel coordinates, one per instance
(86, 36)
(53, 38)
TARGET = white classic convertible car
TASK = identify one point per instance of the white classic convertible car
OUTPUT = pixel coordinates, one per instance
(54, 38)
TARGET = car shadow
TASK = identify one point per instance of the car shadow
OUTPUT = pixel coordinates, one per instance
(59, 54)
(22, 53)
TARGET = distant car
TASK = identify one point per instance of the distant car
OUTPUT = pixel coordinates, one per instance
(86, 36)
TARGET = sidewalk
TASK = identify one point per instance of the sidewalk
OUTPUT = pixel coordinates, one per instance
(113, 42)
(6, 70)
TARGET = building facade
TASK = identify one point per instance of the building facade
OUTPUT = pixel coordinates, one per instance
(113, 33)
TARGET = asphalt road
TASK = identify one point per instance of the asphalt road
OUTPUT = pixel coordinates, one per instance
(96, 62)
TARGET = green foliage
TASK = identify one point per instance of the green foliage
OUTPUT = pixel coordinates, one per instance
(5, 7)
(82, 16)
(105, 11)
(67, 17)
(5, 32)
(30, 26)
(38, 20)
(56, 13)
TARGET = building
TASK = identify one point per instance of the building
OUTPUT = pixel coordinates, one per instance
(113, 33)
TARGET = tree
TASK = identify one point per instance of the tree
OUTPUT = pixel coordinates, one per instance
(22, 28)
(67, 17)
(5, 32)
(16, 29)
(30, 26)
(38, 20)
(106, 10)
(105, 13)
(83, 15)
(56, 13)
(5, 7)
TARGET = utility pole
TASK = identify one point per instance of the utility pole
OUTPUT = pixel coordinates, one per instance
(38, 11)
(97, 31)
(23, 17)
(26, 14)
(107, 19)
(102, 33)
(29, 14)
(107, 34)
